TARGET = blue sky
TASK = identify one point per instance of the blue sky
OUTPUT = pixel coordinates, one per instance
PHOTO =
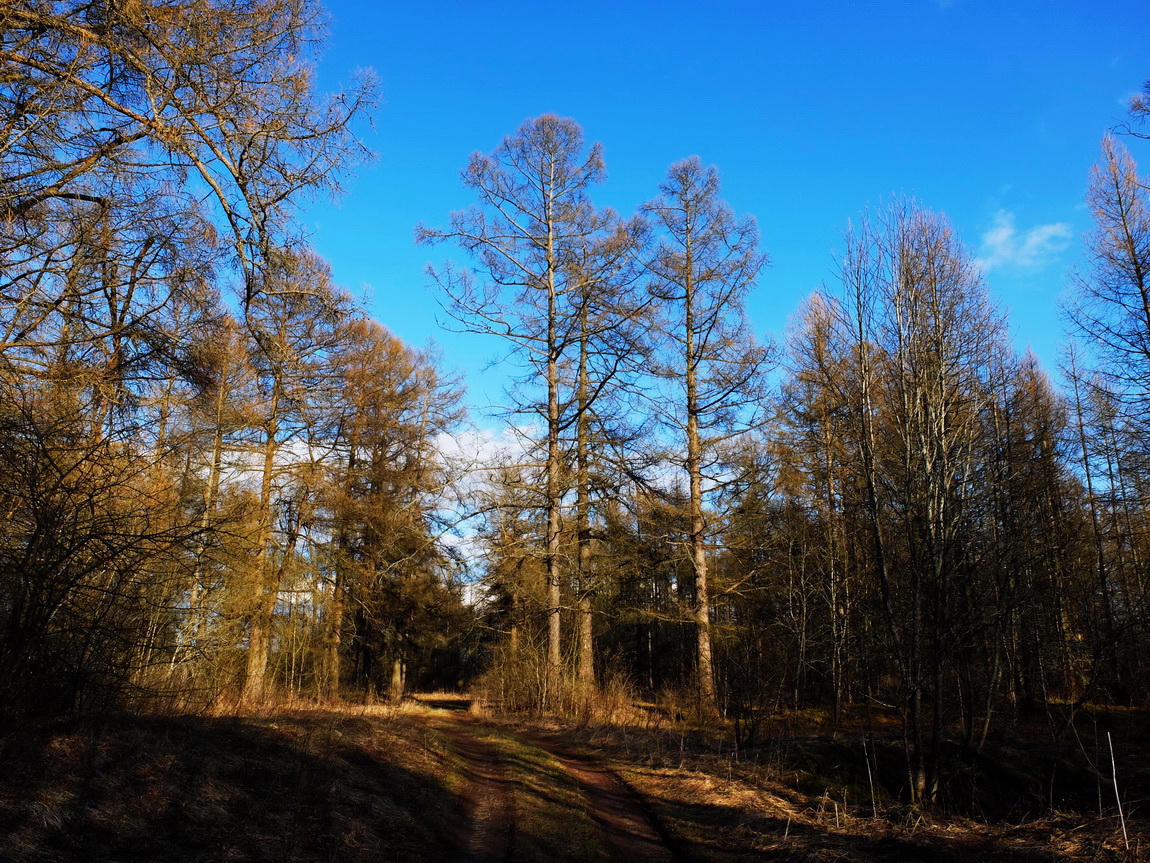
(990, 112)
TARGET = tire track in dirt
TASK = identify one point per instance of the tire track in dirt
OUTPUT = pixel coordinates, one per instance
(629, 830)
(485, 835)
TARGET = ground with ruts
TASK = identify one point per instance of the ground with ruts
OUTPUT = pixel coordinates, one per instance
(435, 781)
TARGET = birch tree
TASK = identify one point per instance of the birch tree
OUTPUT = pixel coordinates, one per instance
(925, 338)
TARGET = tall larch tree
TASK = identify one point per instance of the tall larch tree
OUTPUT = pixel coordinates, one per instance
(530, 228)
(295, 324)
(704, 263)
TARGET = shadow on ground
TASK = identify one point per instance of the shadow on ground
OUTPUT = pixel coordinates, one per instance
(315, 786)
(730, 834)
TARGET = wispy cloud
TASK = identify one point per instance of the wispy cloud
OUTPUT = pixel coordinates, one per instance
(1004, 245)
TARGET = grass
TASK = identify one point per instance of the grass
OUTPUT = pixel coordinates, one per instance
(358, 784)
(302, 786)
(807, 796)
(550, 820)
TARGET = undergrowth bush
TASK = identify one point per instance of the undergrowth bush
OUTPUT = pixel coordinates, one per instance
(516, 683)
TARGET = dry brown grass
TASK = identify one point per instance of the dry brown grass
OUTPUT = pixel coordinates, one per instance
(295, 785)
(381, 784)
(797, 798)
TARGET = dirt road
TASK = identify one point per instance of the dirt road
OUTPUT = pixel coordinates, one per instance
(486, 835)
(626, 830)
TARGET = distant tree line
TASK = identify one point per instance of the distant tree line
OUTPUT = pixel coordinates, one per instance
(220, 479)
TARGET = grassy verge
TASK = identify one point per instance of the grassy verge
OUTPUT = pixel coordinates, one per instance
(810, 798)
(300, 786)
(551, 822)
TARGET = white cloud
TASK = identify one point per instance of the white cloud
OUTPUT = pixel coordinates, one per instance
(473, 458)
(1004, 245)
(485, 450)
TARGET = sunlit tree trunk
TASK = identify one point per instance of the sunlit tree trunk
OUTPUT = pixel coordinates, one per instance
(702, 269)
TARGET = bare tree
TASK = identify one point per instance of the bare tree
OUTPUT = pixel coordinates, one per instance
(529, 236)
(1111, 308)
(611, 344)
(817, 441)
(704, 264)
(925, 338)
(295, 325)
(1139, 113)
(195, 99)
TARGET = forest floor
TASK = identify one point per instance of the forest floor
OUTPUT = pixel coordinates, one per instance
(434, 781)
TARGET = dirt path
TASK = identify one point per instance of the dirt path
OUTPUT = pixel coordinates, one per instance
(485, 836)
(628, 831)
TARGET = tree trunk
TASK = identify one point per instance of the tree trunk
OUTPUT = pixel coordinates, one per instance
(583, 518)
(554, 466)
(705, 672)
(262, 591)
